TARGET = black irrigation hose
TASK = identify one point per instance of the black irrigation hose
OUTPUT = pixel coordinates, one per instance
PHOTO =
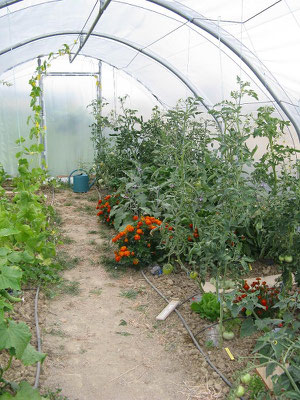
(189, 298)
(37, 329)
(207, 359)
(216, 323)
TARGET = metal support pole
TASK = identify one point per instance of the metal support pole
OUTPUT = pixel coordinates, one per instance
(42, 138)
(103, 7)
(99, 87)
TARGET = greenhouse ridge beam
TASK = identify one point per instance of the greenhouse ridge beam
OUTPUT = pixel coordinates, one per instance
(147, 53)
(186, 13)
(9, 3)
(103, 7)
(71, 73)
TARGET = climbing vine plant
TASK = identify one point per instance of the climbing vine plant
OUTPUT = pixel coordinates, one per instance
(27, 243)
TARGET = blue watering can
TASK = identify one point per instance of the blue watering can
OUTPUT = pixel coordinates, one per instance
(80, 182)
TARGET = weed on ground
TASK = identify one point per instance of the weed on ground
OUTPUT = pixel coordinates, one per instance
(130, 294)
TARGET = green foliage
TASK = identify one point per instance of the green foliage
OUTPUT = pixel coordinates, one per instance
(208, 307)
(24, 392)
(3, 175)
(27, 244)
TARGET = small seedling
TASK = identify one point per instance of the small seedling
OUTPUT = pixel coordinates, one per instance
(92, 232)
(65, 261)
(56, 332)
(96, 291)
(63, 287)
(129, 294)
(54, 395)
(93, 242)
(93, 199)
(124, 333)
(142, 307)
(209, 344)
(122, 322)
(67, 240)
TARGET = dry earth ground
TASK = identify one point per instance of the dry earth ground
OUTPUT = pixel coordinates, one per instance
(104, 343)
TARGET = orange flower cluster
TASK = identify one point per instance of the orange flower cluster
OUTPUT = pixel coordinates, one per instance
(105, 206)
(138, 238)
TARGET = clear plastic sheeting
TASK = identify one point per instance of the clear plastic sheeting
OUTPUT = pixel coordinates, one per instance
(68, 117)
(173, 48)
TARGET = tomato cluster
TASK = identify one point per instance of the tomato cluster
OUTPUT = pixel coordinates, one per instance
(264, 295)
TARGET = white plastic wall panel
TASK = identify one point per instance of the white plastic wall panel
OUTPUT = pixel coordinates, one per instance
(268, 42)
(151, 74)
(32, 50)
(136, 24)
(68, 132)
(43, 19)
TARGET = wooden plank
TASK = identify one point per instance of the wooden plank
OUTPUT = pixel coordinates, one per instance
(261, 371)
(167, 310)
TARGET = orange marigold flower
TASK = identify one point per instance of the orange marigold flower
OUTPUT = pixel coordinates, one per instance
(195, 234)
(127, 253)
(190, 239)
(139, 231)
(130, 228)
(100, 213)
(121, 253)
(123, 248)
(139, 224)
(121, 234)
(114, 240)
(132, 253)
(137, 237)
(126, 240)
(152, 227)
(107, 219)
(118, 258)
(170, 228)
(147, 221)
(135, 261)
(148, 245)
(102, 206)
(135, 218)
(99, 201)
(97, 208)
(107, 197)
(158, 222)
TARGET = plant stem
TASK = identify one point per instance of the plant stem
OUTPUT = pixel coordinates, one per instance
(221, 296)
(8, 364)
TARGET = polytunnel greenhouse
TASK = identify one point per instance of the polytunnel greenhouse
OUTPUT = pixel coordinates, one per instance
(149, 199)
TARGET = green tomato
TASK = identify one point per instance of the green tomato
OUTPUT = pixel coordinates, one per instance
(288, 259)
(228, 335)
(167, 269)
(281, 258)
(240, 391)
(193, 275)
(246, 378)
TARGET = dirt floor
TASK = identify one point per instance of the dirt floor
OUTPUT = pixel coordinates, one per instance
(102, 339)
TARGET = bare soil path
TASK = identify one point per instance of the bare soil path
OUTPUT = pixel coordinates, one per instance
(102, 342)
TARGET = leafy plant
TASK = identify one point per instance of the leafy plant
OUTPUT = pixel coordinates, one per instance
(208, 307)
(137, 242)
